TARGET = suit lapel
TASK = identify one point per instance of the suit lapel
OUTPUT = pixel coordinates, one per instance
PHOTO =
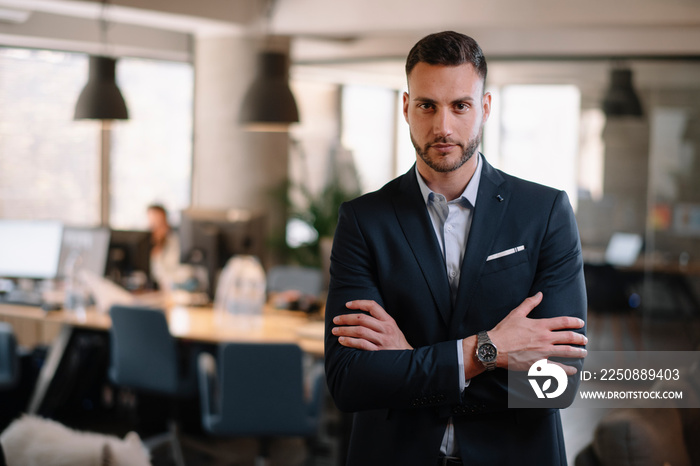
(488, 214)
(415, 223)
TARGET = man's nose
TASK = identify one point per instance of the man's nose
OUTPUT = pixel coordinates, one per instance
(442, 123)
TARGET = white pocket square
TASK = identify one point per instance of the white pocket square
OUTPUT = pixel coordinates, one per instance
(507, 252)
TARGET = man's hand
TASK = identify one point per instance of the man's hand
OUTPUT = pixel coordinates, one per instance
(519, 338)
(377, 331)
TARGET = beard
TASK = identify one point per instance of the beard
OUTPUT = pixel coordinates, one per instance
(440, 163)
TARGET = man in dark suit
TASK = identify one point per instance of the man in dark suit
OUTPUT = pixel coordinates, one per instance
(443, 280)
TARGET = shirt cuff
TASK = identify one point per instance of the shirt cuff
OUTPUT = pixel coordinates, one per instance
(463, 383)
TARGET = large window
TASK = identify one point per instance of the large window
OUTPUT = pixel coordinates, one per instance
(152, 152)
(368, 125)
(533, 133)
(49, 164)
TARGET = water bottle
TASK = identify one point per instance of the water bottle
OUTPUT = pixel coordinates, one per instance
(240, 294)
(75, 299)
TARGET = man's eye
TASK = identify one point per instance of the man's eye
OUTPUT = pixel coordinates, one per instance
(425, 106)
(462, 106)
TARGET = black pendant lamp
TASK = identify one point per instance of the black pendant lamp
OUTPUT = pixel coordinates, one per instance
(101, 98)
(621, 98)
(269, 104)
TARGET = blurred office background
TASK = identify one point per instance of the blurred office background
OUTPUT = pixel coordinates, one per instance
(600, 99)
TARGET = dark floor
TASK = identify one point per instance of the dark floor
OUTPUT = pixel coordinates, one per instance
(201, 449)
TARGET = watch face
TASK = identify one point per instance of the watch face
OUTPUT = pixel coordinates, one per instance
(487, 352)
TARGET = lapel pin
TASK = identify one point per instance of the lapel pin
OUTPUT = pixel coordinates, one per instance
(500, 198)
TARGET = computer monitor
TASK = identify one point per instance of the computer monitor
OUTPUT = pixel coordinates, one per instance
(30, 248)
(129, 252)
(623, 249)
(91, 244)
(209, 238)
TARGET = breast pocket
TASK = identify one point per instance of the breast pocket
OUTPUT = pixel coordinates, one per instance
(505, 262)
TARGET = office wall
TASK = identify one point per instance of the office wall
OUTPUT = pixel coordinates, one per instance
(233, 168)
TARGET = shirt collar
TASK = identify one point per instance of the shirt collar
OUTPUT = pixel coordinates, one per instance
(469, 192)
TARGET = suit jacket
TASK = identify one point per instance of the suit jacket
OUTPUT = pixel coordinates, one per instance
(385, 250)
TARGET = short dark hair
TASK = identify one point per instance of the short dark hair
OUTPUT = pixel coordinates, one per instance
(447, 48)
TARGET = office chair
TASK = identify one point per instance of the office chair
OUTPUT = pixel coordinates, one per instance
(258, 390)
(307, 280)
(9, 359)
(144, 357)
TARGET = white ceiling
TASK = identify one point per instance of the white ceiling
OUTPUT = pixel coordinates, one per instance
(369, 17)
(359, 36)
(354, 28)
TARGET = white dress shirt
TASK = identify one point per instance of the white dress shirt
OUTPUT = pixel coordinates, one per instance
(451, 222)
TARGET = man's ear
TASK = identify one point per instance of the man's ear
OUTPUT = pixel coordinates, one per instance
(405, 106)
(486, 106)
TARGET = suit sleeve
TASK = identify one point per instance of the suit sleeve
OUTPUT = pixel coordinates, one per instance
(559, 276)
(362, 380)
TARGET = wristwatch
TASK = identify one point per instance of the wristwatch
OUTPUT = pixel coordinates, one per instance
(486, 351)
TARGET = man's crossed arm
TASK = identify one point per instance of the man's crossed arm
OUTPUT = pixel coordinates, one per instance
(374, 329)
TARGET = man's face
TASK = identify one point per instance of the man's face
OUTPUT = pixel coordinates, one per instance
(445, 108)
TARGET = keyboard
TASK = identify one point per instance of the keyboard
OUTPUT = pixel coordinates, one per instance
(22, 297)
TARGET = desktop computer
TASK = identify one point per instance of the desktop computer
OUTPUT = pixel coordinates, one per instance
(209, 238)
(88, 245)
(29, 252)
(82, 250)
(129, 259)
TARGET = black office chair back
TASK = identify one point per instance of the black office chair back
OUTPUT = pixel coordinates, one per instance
(9, 364)
(263, 393)
(143, 352)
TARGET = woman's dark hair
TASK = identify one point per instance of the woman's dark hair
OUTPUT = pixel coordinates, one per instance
(159, 207)
(447, 48)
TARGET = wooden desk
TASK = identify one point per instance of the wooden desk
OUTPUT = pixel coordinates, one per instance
(664, 267)
(192, 324)
(35, 326)
(29, 324)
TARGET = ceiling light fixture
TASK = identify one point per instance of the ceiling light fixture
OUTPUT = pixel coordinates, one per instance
(269, 104)
(621, 99)
(101, 98)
